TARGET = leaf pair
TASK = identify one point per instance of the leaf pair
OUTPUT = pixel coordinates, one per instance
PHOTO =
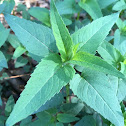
(52, 73)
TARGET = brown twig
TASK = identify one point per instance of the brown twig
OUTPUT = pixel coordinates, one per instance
(6, 78)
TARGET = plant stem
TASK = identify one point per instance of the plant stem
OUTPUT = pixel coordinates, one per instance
(78, 16)
(67, 94)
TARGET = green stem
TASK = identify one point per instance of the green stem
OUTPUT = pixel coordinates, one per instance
(78, 16)
(67, 94)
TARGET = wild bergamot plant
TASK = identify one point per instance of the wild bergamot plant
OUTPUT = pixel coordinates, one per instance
(63, 55)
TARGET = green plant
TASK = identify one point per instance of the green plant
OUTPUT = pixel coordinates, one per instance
(68, 63)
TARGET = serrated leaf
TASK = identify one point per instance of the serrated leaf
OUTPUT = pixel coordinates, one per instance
(42, 14)
(95, 90)
(30, 33)
(66, 118)
(110, 54)
(86, 121)
(95, 63)
(61, 33)
(92, 8)
(41, 87)
(92, 35)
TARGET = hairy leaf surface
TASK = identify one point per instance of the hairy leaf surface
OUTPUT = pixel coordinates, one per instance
(37, 39)
(95, 90)
(95, 63)
(48, 79)
(92, 35)
(61, 33)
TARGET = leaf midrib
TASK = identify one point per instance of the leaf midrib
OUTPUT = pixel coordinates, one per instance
(78, 32)
(102, 99)
(92, 64)
(37, 92)
(35, 37)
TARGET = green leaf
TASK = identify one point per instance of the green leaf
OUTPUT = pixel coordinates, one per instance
(95, 63)
(59, 124)
(92, 35)
(119, 6)
(0, 101)
(119, 86)
(105, 3)
(18, 52)
(66, 118)
(72, 108)
(37, 39)
(2, 120)
(44, 119)
(61, 33)
(3, 62)
(53, 102)
(3, 36)
(122, 47)
(9, 5)
(42, 14)
(2, 6)
(21, 7)
(95, 90)
(67, 7)
(20, 62)
(25, 13)
(9, 106)
(92, 8)
(117, 38)
(120, 24)
(26, 121)
(13, 40)
(48, 79)
(86, 121)
(110, 54)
